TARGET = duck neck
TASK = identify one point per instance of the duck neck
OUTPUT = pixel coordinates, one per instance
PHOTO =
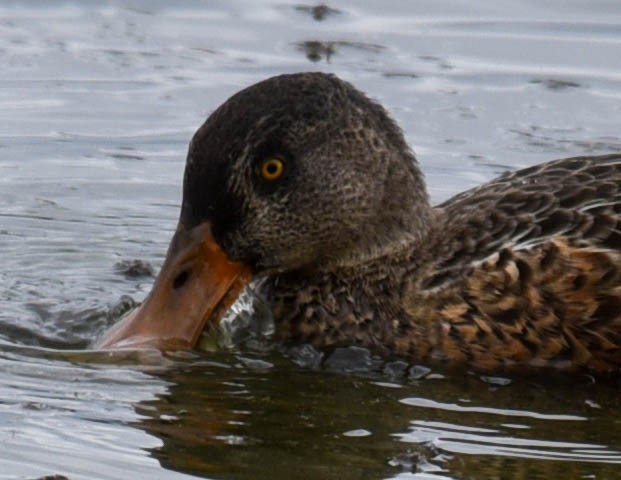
(350, 305)
(402, 219)
(357, 302)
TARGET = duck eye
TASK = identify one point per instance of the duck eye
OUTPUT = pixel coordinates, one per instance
(272, 169)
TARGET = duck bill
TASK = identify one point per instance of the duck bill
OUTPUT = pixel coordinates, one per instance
(196, 286)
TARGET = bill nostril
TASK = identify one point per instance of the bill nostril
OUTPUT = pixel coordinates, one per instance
(180, 280)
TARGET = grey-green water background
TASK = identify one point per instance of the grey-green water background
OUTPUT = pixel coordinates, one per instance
(98, 101)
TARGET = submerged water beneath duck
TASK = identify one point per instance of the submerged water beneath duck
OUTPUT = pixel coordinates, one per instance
(100, 102)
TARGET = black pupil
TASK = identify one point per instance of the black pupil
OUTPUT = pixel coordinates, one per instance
(272, 168)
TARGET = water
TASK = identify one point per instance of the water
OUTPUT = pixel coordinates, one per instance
(97, 103)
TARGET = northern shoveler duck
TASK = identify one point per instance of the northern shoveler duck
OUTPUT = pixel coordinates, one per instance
(304, 184)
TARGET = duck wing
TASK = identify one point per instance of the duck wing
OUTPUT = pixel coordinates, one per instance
(528, 270)
(576, 198)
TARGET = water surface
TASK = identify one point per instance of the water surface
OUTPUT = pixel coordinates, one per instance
(98, 101)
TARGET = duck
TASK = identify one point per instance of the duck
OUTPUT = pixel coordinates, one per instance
(305, 188)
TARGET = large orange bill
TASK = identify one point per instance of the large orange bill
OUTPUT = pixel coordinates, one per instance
(196, 286)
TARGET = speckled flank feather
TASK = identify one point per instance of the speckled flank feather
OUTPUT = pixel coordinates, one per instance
(522, 271)
(550, 305)
(538, 280)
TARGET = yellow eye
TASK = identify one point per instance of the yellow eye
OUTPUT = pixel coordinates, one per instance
(272, 169)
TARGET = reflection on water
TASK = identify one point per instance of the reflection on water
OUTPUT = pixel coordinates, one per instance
(60, 418)
(226, 419)
(98, 101)
(257, 414)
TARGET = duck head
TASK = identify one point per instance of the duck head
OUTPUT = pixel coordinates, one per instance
(299, 172)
